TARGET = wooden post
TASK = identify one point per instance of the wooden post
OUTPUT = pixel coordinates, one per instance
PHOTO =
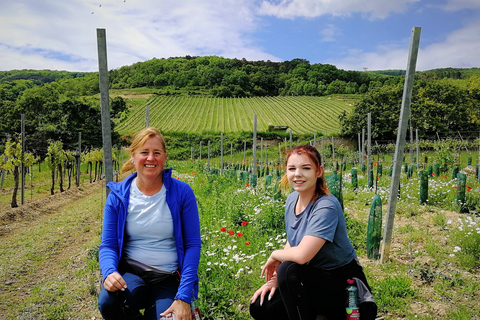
(290, 138)
(411, 145)
(333, 149)
(369, 148)
(147, 116)
(363, 145)
(402, 131)
(261, 155)
(254, 159)
(244, 151)
(463, 142)
(104, 102)
(79, 158)
(200, 151)
(208, 161)
(360, 157)
(22, 166)
(231, 153)
(478, 158)
(221, 153)
(418, 150)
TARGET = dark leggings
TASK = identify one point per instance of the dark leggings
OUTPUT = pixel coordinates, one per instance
(306, 291)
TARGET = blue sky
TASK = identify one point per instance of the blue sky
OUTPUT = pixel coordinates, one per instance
(350, 34)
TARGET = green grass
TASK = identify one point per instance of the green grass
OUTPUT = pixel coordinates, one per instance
(197, 114)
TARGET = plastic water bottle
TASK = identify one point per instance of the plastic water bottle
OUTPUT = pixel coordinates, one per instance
(353, 312)
(195, 311)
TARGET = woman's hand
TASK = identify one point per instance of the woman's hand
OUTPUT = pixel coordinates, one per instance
(180, 308)
(114, 282)
(270, 267)
(269, 286)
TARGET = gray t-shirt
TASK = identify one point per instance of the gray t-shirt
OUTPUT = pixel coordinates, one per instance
(323, 219)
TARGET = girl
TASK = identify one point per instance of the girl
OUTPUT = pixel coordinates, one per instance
(309, 275)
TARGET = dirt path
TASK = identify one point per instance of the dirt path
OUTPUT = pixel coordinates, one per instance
(44, 256)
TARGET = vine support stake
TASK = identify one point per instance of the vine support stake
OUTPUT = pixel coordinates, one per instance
(401, 134)
(104, 102)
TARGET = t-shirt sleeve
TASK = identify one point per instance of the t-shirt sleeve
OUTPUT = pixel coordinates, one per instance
(323, 220)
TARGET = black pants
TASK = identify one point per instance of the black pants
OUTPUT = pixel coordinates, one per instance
(306, 291)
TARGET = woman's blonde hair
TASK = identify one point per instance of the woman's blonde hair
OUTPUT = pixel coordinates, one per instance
(138, 142)
(312, 153)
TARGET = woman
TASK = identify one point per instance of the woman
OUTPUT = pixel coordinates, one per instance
(309, 275)
(150, 247)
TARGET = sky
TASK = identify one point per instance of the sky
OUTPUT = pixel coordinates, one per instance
(349, 34)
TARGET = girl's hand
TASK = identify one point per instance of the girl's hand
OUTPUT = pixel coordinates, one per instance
(180, 308)
(114, 282)
(270, 286)
(270, 267)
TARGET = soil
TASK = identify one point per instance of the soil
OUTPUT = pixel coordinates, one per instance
(61, 263)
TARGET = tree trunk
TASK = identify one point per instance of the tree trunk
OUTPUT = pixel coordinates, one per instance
(52, 190)
(60, 170)
(15, 188)
(89, 166)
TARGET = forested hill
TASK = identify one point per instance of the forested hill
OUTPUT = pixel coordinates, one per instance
(38, 77)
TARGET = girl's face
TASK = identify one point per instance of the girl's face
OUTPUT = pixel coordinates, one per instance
(301, 173)
(150, 159)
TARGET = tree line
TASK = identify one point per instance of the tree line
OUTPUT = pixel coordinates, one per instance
(57, 104)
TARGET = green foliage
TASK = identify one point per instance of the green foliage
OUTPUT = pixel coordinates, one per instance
(466, 239)
(393, 294)
(437, 106)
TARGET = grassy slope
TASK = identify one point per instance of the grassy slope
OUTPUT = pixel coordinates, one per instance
(197, 114)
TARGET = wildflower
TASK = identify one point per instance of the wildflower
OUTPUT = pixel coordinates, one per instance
(239, 234)
(457, 249)
(247, 243)
(223, 229)
(248, 184)
(244, 223)
(231, 232)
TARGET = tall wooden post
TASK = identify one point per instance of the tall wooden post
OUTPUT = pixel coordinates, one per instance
(221, 153)
(79, 158)
(22, 166)
(104, 102)
(418, 150)
(360, 156)
(254, 158)
(402, 131)
(208, 161)
(147, 116)
(369, 147)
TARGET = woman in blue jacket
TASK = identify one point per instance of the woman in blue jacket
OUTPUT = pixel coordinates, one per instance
(150, 247)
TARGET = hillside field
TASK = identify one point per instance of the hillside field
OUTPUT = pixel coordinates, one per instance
(198, 114)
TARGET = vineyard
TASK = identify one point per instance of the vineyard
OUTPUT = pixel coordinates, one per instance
(198, 114)
(49, 267)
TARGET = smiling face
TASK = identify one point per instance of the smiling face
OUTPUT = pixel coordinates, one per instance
(302, 174)
(150, 159)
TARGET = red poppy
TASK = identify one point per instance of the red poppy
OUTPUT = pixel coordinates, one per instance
(244, 223)
(239, 234)
(248, 184)
(223, 229)
(247, 243)
(231, 232)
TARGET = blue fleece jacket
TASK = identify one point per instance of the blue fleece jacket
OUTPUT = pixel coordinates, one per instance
(186, 226)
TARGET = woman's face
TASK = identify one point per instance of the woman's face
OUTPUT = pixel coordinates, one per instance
(301, 173)
(150, 159)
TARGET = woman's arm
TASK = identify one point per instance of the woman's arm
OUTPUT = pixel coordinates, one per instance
(301, 254)
(191, 244)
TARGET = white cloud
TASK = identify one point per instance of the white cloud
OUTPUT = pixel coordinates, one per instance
(375, 9)
(455, 5)
(330, 33)
(51, 33)
(461, 49)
